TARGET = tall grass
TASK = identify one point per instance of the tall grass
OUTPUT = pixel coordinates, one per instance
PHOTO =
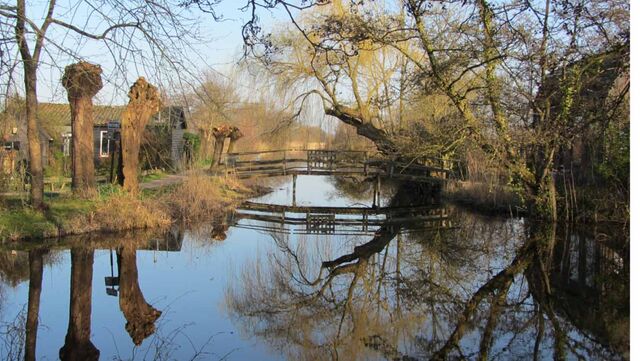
(200, 197)
(124, 211)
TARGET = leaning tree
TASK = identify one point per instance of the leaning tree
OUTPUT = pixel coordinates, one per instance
(514, 75)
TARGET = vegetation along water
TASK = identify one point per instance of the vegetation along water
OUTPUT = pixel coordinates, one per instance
(315, 179)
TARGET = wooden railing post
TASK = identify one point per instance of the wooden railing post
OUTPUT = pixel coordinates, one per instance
(284, 163)
(366, 163)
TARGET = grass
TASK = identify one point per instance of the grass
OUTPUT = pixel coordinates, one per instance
(151, 176)
(20, 221)
(484, 197)
(200, 196)
(197, 198)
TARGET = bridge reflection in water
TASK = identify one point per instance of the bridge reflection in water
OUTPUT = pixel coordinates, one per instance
(455, 287)
(336, 220)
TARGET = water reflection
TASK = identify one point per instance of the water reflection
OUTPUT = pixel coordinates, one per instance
(33, 308)
(140, 316)
(77, 343)
(485, 289)
(402, 281)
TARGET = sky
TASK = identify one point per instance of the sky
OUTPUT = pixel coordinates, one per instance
(218, 50)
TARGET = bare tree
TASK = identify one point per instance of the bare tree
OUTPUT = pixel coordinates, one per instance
(82, 82)
(515, 75)
(151, 34)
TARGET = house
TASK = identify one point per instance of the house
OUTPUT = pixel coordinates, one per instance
(162, 144)
(172, 118)
(15, 145)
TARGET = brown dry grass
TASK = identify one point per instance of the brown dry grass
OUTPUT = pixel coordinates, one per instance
(484, 196)
(124, 211)
(200, 197)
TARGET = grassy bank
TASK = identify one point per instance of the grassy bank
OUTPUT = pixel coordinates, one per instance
(194, 199)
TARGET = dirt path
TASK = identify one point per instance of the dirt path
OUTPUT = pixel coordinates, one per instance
(170, 179)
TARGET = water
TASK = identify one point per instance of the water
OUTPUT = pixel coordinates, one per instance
(430, 281)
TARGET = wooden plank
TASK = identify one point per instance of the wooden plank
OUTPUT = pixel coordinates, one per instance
(277, 208)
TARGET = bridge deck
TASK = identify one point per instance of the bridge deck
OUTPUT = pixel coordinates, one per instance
(331, 162)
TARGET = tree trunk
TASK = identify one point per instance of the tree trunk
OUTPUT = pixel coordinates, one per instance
(33, 136)
(232, 145)
(144, 101)
(139, 314)
(542, 203)
(234, 136)
(217, 151)
(378, 136)
(33, 308)
(77, 343)
(82, 82)
(82, 168)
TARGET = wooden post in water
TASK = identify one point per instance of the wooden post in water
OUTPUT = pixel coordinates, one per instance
(366, 161)
(295, 177)
(284, 163)
(378, 189)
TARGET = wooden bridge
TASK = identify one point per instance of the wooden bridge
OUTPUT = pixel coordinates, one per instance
(272, 163)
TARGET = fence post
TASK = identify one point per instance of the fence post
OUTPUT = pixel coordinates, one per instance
(295, 177)
(366, 162)
(284, 163)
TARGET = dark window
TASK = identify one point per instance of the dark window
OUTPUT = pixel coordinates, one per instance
(104, 144)
(11, 145)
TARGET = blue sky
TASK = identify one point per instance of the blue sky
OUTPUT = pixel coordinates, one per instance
(219, 51)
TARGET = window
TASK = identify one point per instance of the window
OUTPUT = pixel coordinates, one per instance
(11, 145)
(104, 144)
(66, 144)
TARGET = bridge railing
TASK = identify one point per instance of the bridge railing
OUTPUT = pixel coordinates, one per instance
(323, 161)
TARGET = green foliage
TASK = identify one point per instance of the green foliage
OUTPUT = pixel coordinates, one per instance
(192, 143)
(56, 167)
(108, 190)
(616, 162)
(153, 175)
(155, 148)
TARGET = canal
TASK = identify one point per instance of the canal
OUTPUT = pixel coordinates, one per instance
(330, 277)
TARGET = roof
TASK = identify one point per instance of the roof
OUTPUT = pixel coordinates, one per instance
(60, 114)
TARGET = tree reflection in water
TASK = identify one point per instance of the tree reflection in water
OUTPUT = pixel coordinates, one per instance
(140, 315)
(33, 308)
(77, 343)
(489, 289)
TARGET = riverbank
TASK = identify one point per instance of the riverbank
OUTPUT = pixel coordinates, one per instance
(196, 197)
(583, 206)
(485, 198)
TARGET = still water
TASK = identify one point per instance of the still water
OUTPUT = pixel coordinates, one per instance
(329, 278)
